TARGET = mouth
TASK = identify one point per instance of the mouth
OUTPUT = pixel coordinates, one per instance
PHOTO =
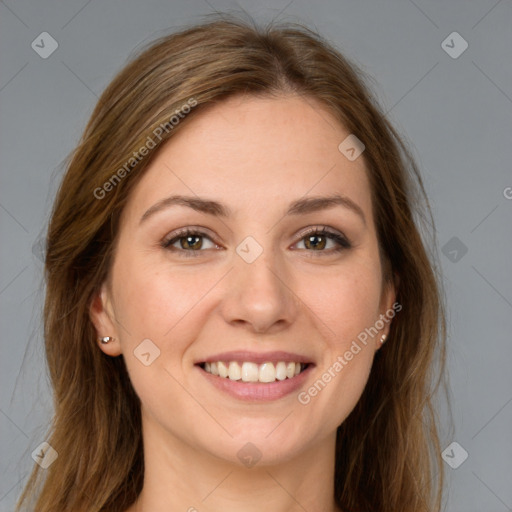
(249, 371)
(256, 376)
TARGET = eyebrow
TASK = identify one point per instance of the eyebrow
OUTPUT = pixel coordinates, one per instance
(299, 207)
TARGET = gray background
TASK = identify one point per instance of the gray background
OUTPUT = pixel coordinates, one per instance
(456, 113)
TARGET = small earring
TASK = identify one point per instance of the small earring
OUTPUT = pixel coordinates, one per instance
(383, 339)
(106, 339)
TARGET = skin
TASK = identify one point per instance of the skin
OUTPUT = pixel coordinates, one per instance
(256, 156)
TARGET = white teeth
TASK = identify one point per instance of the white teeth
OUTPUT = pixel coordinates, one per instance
(267, 372)
(252, 372)
(281, 371)
(223, 369)
(290, 370)
(235, 372)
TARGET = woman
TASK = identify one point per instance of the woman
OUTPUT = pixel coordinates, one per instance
(240, 310)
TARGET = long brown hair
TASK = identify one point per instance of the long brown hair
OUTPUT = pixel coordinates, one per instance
(388, 450)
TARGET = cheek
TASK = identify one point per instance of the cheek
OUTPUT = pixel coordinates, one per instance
(161, 304)
(154, 303)
(155, 300)
(346, 301)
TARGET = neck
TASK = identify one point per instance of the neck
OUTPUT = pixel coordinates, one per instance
(178, 476)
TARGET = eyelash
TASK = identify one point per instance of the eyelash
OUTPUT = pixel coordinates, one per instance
(342, 241)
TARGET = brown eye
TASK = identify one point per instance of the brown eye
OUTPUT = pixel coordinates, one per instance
(317, 240)
(188, 242)
(191, 242)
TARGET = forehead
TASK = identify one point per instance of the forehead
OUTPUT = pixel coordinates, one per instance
(252, 153)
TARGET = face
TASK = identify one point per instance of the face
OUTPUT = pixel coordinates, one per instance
(267, 281)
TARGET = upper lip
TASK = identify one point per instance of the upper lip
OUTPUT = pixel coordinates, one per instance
(256, 357)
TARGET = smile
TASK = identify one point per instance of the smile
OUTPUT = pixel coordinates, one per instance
(252, 372)
(256, 376)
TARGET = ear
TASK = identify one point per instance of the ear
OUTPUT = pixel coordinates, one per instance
(388, 308)
(102, 316)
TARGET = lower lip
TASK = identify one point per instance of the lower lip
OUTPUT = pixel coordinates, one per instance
(258, 391)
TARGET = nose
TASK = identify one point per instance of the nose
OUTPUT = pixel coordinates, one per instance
(259, 296)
